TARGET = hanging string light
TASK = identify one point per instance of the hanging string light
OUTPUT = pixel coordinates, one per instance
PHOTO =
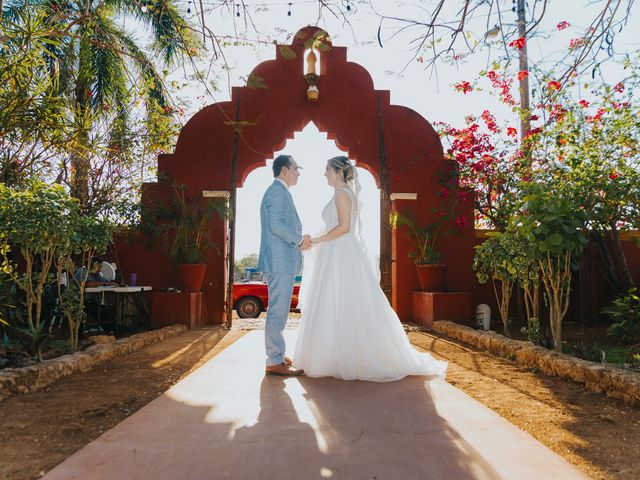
(348, 7)
(189, 7)
(289, 12)
(237, 10)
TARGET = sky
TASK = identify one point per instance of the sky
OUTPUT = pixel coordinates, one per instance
(391, 67)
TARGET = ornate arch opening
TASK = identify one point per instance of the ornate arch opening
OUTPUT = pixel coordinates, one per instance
(222, 143)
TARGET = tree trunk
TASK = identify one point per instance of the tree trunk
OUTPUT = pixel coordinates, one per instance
(80, 157)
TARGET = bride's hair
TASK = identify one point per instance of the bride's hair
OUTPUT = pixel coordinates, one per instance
(343, 165)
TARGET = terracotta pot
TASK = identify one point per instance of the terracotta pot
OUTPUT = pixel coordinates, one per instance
(432, 277)
(192, 276)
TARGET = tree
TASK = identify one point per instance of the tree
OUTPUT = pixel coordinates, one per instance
(33, 220)
(33, 125)
(555, 227)
(590, 151)
(250, 261)
(95, 61)
(84, 236)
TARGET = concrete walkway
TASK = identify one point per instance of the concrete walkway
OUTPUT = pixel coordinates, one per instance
(227, 420)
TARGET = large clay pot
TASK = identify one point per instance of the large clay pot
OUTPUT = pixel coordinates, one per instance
(192, 276)
(432, 277)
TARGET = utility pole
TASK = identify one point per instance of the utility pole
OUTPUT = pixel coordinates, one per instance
(525, 112)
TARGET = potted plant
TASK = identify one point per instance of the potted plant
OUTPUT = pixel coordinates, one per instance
(188, 226)
(431, 272)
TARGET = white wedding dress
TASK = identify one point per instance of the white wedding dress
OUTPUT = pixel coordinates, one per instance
(348, 329)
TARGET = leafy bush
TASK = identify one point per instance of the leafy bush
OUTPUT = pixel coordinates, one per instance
(625, 313)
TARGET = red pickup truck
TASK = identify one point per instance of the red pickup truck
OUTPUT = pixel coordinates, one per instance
(250, 299)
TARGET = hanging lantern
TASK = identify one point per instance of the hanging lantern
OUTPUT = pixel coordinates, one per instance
(312, 77)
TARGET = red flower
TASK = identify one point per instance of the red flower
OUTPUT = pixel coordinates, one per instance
(619, 87)
(522, 74)
(534, 118)
(553, 85)
(613, 175)
(518, 43)
(583, 103)
(512, 132)
(563, 25)
(534, 131)
(463, 87)
(491, 75)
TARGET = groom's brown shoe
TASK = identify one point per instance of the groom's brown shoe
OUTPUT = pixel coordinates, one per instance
(283, 370)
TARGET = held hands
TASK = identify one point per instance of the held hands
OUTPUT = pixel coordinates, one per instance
(306, 243)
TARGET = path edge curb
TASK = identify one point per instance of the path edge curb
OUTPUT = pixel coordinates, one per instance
(16, 381)
(602, 378)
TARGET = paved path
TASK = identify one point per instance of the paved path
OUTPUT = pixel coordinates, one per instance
(227, 420)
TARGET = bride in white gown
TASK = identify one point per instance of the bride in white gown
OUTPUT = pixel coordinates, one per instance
(348, 329)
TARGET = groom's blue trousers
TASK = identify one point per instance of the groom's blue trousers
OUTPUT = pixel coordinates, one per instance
(280, 287)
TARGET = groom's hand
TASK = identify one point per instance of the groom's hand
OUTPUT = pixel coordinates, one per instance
(306, 243)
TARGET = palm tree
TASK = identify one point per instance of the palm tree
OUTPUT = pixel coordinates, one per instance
(98, 63)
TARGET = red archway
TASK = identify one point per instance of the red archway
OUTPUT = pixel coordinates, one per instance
(397, 145)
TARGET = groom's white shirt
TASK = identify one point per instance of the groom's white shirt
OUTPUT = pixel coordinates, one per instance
(282, 182)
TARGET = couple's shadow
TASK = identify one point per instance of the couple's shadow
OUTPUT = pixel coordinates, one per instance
(328, 428)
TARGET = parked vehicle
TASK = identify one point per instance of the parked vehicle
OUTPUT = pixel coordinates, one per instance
(250, 299)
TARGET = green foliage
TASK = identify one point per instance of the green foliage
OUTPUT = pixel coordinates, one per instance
(32, 340)
(504, 257)
(532, 330)
(553, 224)
(427, 238)
(255, 82)
(49, 229)
(32, 120)
(287, 52)
(184, 225)
(114, 112)
(555, 228)
(72, 305)
(34, 220)
(625, 313)
(250, 261)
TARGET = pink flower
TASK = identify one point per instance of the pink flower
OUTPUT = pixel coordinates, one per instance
(576, 43)
(522, 74)
(619, 87)
(562, 25)
(518, 43)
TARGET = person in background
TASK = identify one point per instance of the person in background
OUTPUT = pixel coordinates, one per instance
(94, 278)
(92, 305)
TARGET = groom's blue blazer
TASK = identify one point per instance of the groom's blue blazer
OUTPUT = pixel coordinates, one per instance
(281, 232)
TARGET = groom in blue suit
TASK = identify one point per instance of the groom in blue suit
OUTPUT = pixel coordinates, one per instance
(281, 245)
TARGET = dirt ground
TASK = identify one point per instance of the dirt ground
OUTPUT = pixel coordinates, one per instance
(599, 435)
(39, 430)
